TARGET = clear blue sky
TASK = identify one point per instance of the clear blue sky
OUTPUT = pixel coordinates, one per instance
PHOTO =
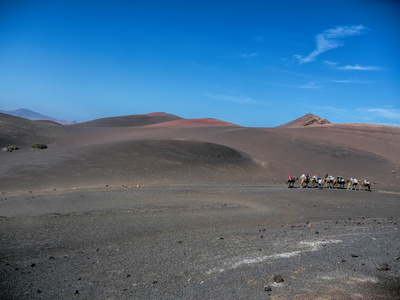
(253, 63)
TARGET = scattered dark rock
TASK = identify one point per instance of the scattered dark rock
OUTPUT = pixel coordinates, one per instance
(32, 265)
(129, 275)
(76, 292)
(155, 281)
(51, 257)
(10, 148)
(343, 260)
(383, 266)
(317, 232)
(278, 279)
(38, 291)
(354, 255)
(267, 288)
(39, 146)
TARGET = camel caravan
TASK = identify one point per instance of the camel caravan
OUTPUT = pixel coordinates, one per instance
(328, 182)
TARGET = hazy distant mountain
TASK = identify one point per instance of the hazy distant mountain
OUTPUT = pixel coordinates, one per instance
(31, 115)
(306, 120)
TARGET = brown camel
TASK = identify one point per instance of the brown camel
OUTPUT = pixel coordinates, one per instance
(328, 181)
(290, 181)
(339, 182)
(365, 185)
(304, 181)
(353, 183)
(314, 182)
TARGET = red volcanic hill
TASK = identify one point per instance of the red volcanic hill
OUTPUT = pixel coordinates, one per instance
(306, 120)
(193, 123)
(131, 120)
(157, 119)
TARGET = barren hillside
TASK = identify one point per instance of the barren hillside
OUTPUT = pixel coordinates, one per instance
(191, 152)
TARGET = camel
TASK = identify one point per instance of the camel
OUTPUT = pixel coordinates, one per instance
(314, 182)
(305, 180)
(328, 181)
(352, 184)
(365, 185)
(290, 181)
(339, 182)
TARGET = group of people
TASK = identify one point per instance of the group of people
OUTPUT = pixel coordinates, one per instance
(320, 181)
(355, 181)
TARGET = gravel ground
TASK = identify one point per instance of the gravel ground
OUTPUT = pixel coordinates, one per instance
(192, 242)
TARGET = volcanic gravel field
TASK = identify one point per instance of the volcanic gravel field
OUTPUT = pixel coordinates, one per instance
(200, 242)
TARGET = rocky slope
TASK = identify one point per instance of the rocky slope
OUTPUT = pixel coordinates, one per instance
(306, 120)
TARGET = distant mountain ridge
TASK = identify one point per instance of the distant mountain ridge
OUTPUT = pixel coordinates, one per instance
(155, 119)
(306, 120)
(32, 115)
(136, 120)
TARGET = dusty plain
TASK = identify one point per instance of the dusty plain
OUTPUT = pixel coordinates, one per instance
(158, 207)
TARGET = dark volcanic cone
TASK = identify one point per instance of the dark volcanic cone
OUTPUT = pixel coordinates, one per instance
(131, 120)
